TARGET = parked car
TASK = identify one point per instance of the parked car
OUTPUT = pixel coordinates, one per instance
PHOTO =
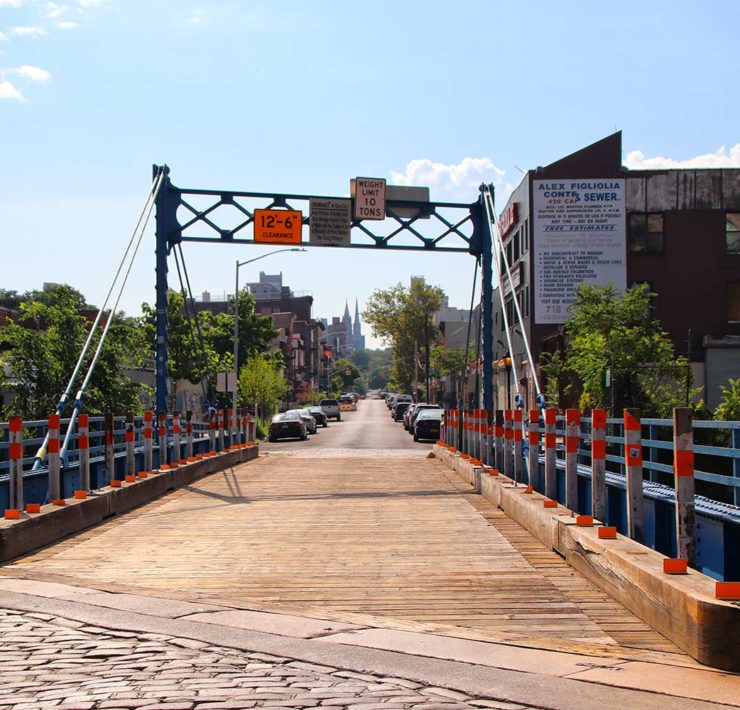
(308, 420)
(399, 409)
(331, 409)
(428, 424)
(319, 415)
(407, 414)
(347, 403)
(418, 409)
(287, 426)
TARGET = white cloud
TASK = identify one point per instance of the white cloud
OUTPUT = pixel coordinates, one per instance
(87, 4)
(453, 182)
(721, 158)
(9, 92)
(53, 10)
(27, 31)
(3, 36)
(66, 25)
(11, 3)
(32, 73)
(194, 20)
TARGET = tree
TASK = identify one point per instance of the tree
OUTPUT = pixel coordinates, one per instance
(41, 350)
(728, 410)
(199, 350)
(403, 317)
(615, 332)
(345, 375)
(262, 382)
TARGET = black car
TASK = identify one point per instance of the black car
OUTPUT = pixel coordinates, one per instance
(319, 415)
(428, 424)
(287, 426)
(399, 409)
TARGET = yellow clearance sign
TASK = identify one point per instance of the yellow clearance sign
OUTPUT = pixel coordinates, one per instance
(278, 226)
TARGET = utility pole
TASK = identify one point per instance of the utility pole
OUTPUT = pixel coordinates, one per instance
(416, 368)
(426, 353)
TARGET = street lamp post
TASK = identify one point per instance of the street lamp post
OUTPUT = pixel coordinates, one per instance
(236, 329)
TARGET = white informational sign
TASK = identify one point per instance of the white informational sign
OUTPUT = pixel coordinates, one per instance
(369, 198)
(579, 236)
(330, 222)
(225, 381)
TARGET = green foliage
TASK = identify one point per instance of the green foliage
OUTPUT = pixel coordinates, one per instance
(198, 352)
(728, 410)
(262, 382)
(617, 331)
(403, 317)
(447, 361)
(41, 350)
(375, 367)
(346, 376)
(557, 377)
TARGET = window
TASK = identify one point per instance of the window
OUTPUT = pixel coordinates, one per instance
(646, 233)
(732, 232)
(733, 302)
(515, 239)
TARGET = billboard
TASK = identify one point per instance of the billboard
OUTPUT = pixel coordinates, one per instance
(579, 236)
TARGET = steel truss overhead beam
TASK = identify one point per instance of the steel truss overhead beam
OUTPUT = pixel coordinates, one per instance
(469, 227)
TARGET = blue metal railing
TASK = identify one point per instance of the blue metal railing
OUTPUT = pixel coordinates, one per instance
(35, 482)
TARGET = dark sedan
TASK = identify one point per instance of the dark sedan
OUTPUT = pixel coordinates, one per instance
(319, 415)
(287, 426)
(427, 425)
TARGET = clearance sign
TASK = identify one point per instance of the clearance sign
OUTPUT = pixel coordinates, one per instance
(278, 226)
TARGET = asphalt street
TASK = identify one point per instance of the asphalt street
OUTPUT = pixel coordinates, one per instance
(370, 427)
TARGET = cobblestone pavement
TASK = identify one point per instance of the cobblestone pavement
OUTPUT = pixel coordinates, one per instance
(51, 662)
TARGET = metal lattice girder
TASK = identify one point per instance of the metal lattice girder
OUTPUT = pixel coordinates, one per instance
(429, 228)
(438, 226)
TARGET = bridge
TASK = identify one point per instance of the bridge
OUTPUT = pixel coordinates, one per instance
(356, 569)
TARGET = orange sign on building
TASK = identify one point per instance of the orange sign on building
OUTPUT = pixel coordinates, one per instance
(278, 226)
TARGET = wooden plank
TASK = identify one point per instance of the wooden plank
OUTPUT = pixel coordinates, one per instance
(399, 540)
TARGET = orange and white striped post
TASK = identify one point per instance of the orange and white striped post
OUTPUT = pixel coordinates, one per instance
(572, 439)
(464, 443)
(15, 452)
(489, 438)
(189, 434)
(498, 431)
(212, 435)
(83, 448)
(162, 437)
(110, 456)
(482, 429)
(175, 459)
(551, 471)
(55, 488)
(220, 424)
(598, 464)
(508, 443)
(231, 438)
(533, 439)
(633, 464)
(130, 437)
(517, 423)
(148, 447)
(683, 470)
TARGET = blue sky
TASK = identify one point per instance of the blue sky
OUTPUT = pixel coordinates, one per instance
(299, 97)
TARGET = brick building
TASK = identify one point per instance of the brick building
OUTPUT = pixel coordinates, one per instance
(587, 218)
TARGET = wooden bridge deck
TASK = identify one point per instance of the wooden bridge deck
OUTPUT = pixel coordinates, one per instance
(398, 542)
